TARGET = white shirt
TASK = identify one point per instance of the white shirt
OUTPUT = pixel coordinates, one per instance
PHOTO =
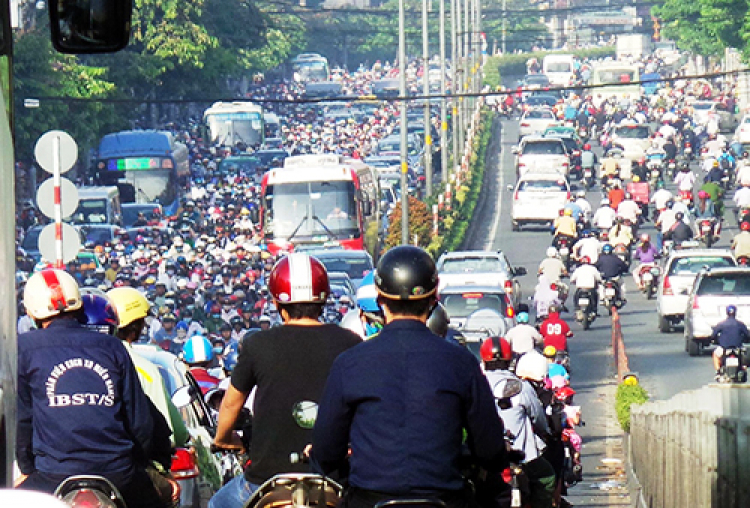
(629, 209)
(586, 277)
(604, 217)
(685, 180)
(523, 338)
(743, 175)
(588, 247)
(660, 198)
(585, 207)
(742, 197)
(666, 220)
(678, 207)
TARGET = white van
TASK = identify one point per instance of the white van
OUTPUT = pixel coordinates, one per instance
(98, 205)
(559, 69)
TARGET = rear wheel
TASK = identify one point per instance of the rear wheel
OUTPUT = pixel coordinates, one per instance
(515, 226)
(586, 321)
(693, 347)
(664, 325)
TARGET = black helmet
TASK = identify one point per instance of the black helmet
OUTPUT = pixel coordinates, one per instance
(406, 273)
(438, 321)
(679, 216)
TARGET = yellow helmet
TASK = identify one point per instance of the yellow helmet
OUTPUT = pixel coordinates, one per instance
(568, 212)
(129, 303)
(636, 179)
(549, 351)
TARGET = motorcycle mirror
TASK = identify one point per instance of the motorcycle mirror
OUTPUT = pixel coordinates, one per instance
(182, 397)
(305, 413)
(86, 26)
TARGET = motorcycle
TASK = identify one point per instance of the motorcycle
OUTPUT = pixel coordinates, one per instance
(743, 260)
(688, 151)
(585, 307)
(671, 167)
(649, 275)
(707, 231)
(733, 367)
(89, 490)
(563, 247)
(296, 490)
(622, 251)
(611, 296)
(588, 178)
(687, 197)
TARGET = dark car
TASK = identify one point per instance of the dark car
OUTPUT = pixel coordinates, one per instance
(130, 211)
(535, 101)
(268, 156)
(355, 263)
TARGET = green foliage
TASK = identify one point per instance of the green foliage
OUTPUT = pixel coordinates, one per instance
(524, 29)
(705, 27)
(515, 65)
(627, 396)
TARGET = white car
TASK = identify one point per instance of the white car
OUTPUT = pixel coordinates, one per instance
(485, 268)
(712, 292)
(727, 120)
(539, 154)
(680, 271)
(535, 121)
(634, 139)
(538, 199)
(742, 134)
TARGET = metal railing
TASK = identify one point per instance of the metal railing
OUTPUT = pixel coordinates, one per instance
(694, 449)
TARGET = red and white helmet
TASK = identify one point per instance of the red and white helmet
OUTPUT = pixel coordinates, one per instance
(51, 292)
(299, 278)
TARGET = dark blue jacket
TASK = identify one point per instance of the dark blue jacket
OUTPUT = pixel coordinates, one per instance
(730, 333)
(402, 399)
(610, 266)
(81, 408)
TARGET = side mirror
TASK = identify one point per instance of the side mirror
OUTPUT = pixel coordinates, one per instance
(519, 270)
(182, 397)
(254, 215)
(90, 26)
(514, 150)
(510, 187)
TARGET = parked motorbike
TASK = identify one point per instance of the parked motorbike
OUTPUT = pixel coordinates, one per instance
(733, 366)
(82, 491)
(585, 305)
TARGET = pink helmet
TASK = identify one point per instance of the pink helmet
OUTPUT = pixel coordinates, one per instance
(702, 194)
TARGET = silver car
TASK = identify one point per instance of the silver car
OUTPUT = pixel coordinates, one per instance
(490, 303)
(535, 121)
(712, 292)
(680, 271)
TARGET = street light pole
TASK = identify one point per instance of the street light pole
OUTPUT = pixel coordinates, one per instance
(458, 80)
(402, 108)
(444, 101)
(426, 88)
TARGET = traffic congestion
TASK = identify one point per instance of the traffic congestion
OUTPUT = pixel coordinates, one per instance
(270, 345)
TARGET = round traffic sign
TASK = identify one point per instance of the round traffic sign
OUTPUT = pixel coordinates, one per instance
(45, 152)
(45, 197)
(71, 243)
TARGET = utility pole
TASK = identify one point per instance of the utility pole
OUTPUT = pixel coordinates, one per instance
(426, 88)
(404, 141)
(444, 100)
(505, 22)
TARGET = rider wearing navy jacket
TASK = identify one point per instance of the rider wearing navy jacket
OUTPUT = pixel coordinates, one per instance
(81, 408)
(730, 333)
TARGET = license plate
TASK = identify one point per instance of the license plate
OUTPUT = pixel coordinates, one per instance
(587, 173)
(583, 301)
(733, 361)
(706, 229)
(672, 165)
(609, 292)
(564, 251)
(648, 277)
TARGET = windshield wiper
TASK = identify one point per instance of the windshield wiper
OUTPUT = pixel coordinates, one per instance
(328, 231)
(304, 219)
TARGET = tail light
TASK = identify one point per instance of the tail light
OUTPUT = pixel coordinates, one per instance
(510, 311)
(507, 476)
(696, 304)
(567, 195)
(184, 464)
(576, 153)
(525, 124)
(667, 287)
(87, 499)
(515, 195)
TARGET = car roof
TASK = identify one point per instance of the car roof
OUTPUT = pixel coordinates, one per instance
(680, 253)
(533, 175)
(536, 139)
(726, 270)
(453, 288)
(472, 253)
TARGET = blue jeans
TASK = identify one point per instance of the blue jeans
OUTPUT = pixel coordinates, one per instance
(234, 494)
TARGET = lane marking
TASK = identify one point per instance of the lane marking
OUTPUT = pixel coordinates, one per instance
(496, 221)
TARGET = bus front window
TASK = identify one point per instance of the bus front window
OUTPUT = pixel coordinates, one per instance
(313, 209)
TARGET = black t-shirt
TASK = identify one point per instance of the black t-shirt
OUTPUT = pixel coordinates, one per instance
(289, 365)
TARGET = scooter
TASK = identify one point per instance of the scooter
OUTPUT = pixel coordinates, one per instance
(82, 491)
(743, 260)
(707, 231)
(649, 275)
(733, 366)
(588, 178)
(611, 296)
(296, 490)
(585, 307)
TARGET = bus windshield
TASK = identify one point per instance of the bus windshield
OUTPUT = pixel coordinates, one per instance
(229, 128)
(312, 209)
(616, 76)
(90, 211)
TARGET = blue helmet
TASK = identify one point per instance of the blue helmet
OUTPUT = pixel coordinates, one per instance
(731, 310)
(607, 249)
(99, 314)
(367, 294)
(197, 349)
(522, 317)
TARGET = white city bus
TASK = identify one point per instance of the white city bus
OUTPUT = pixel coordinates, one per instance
(620, 80)
(230, 123)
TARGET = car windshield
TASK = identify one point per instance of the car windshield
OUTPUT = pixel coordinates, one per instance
(537, 79)
(702, 106)
(632, 132)
(541, 100)
(243, 165)
(542, 186)
(731, 284)
(130, 213)
(471, 265)
(355, 268)
(694, 264)
(463, 304)
(538, 113)
(544, 148)
(98, 235)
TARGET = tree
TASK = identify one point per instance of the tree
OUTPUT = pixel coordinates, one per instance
(420, 224)
(705, 27)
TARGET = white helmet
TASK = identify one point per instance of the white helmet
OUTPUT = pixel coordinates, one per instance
(551, 252)
(50, 292)
(532, 365)
(581, 194)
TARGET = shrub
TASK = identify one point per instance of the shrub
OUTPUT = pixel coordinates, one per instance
(625, 398)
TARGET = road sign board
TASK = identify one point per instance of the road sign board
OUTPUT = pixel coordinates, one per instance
(44, 151)
(71, 243)
(45, 197)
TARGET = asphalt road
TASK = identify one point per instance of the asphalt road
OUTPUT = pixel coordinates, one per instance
(593, 376)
